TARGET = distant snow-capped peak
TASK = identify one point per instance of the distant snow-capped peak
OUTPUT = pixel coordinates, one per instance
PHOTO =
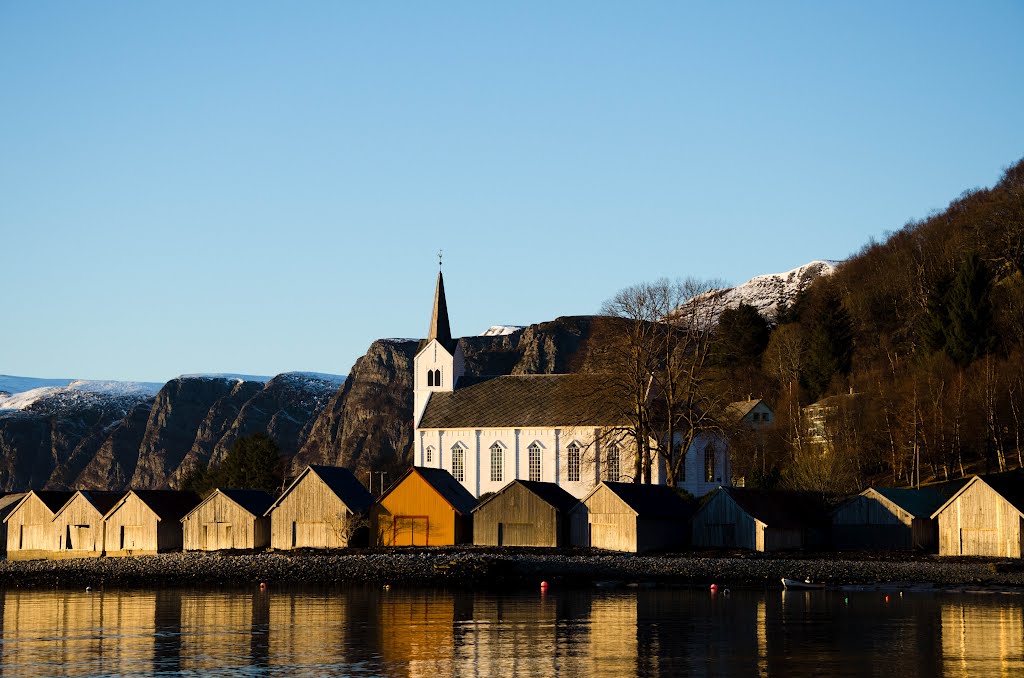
(768, 292)
(20, 393)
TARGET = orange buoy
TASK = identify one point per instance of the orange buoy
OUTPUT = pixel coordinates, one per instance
(543, 586)
(263, 586)
(714, 588)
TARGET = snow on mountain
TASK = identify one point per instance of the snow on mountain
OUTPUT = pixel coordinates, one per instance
(21, 393)
(228, 376)
(11, 385)
(767, 292)
(500, 330)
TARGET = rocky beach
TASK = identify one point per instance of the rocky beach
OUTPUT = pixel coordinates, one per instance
(471, 567)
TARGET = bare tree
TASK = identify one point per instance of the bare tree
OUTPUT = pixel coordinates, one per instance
(662, 372)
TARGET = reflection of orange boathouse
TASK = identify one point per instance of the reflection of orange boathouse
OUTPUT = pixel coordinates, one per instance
(425, 507)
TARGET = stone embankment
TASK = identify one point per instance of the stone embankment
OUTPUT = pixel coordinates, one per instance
(469, 567)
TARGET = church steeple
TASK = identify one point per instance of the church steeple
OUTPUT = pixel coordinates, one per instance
(439, 327)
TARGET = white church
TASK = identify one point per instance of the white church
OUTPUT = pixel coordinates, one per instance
(489, 431)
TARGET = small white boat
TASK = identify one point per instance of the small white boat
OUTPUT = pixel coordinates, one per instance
(806, 585)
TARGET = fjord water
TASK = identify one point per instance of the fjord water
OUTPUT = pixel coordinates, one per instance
(652, 632)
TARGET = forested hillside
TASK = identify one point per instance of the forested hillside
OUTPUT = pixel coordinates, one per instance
(915, 345)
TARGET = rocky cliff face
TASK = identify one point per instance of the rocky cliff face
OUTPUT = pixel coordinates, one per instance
(47, 441)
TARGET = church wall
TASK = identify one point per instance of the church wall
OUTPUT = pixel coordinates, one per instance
(515, 444)
(695, 481)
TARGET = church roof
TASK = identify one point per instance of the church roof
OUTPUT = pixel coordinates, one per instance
(518, 401)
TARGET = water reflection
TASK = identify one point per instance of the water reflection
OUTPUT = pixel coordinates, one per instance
(366, 631)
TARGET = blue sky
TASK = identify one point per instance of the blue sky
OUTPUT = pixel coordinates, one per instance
(260, 187)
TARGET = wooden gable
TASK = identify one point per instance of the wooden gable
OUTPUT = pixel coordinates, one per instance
(80, 528)
(309, 515)
(221, 523)
(979, 521)
(30, 529)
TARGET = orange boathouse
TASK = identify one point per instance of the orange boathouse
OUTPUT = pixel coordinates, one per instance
(425, 507)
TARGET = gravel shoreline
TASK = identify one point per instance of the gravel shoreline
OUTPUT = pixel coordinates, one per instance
(469, 567)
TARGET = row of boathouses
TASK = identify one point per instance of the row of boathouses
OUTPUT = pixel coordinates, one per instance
(327, 507)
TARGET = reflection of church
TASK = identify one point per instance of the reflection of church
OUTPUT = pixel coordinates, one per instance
(489, 431)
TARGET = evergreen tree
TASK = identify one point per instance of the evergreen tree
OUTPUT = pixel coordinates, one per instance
(829, 344)
(969, 330)
(741, 336)
(253, 462)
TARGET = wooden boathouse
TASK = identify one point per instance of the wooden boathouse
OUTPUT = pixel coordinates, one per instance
(761, 520)
(227, 520)
(631, 517)
(424, 507)
(885, 518)
(323, 508)
(524, 513)
(30, 531)
(985, 518)
(146, 522)
(79, 524)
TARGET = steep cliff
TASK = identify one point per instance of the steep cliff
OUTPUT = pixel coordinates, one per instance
(47, 435)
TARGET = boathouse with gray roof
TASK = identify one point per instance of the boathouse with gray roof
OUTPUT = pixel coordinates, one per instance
(228, 519)
(631, 517)
(524, 513)
(324, 507)
(761, 520)
(886, 518)
(146, 522)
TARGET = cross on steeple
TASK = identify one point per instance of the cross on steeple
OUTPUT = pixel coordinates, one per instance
(440, 256)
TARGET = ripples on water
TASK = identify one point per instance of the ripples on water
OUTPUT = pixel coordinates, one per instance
(368, 632)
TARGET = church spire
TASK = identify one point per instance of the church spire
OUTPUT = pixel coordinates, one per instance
(439, 327)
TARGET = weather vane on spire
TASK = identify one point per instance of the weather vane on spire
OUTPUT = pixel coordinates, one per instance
(440, 256)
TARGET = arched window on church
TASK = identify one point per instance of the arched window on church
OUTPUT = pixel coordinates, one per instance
(534, 450)
(430, 455)
(430, 377)
(709, 464)
(437, 377)
(497, 463)
(612, 467)
(459, 462)
(574, 463)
